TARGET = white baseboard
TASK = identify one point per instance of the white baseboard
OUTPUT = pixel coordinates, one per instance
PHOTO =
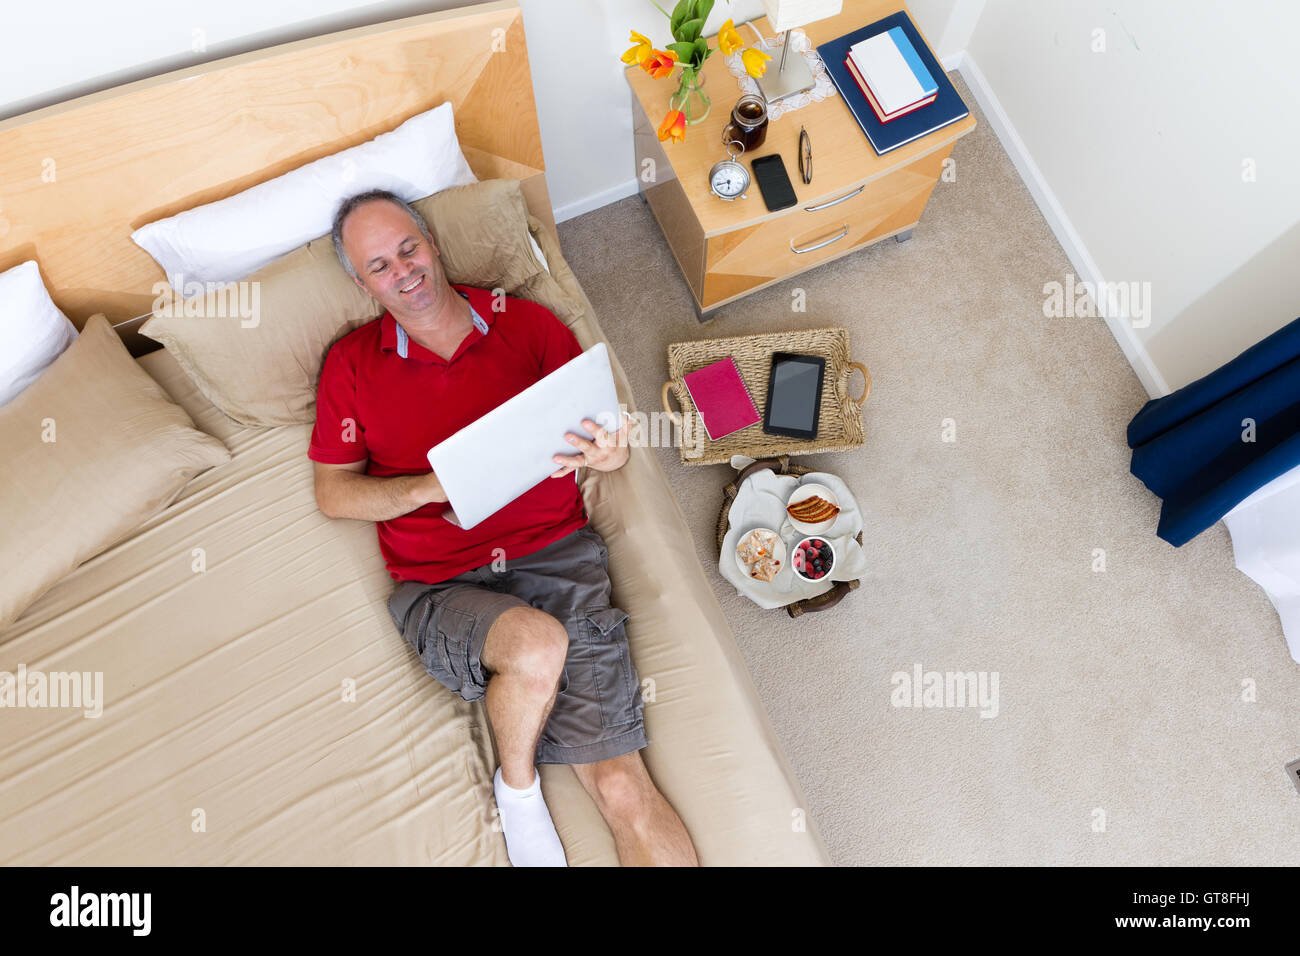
(596, 200)
(1084, 266)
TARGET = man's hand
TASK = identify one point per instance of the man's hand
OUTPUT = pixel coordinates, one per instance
(607, 453)
(429, 489)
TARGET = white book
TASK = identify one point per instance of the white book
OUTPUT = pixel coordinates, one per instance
(893, 80)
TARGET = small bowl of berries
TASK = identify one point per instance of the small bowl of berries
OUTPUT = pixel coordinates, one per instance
(813, 559)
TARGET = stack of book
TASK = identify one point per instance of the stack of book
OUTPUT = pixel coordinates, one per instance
(891, 75)
(891, 82)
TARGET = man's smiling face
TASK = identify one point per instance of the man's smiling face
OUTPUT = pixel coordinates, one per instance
(395, 262)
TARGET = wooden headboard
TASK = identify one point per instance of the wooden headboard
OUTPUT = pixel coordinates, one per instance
(78, 177)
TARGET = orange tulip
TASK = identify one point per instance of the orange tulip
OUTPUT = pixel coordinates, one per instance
(637, 54)
(755, 61)
(659, 63)
(728, 39)
(674, 125)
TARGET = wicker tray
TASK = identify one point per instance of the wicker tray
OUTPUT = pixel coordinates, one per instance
(840, 422)
(782, 466)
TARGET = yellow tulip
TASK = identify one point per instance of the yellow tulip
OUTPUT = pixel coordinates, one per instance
(728, 39)
(637, 54)
(755, 61)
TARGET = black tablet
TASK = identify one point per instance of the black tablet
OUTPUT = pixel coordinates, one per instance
(794, 395)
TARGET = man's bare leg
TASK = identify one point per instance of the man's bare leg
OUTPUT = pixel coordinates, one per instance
(524, 654)
(647, 830)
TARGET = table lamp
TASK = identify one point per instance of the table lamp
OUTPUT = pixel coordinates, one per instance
(783, 15)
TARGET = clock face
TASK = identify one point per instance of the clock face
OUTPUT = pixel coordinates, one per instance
(729, 180)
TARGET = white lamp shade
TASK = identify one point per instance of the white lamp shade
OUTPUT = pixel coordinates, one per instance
(787, 14)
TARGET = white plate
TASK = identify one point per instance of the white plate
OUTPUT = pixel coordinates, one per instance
(779, 555)
(807, 491)
(835, 557)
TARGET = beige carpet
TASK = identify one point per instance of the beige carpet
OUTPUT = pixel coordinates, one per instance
(1122, 735)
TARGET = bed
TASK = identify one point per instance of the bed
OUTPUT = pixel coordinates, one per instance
(260, 707)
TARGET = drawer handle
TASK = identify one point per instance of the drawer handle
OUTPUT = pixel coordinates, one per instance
(820, 245)
(835, 202)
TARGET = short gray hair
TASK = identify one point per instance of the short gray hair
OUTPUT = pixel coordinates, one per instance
(350, 204)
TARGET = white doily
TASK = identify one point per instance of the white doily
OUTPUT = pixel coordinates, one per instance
(800, 43)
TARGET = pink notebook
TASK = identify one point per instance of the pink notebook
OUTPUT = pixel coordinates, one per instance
(720, 396)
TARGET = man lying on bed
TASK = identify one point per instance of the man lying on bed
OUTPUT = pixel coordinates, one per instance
(515, 611)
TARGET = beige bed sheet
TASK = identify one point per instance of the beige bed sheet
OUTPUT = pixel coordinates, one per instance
(262, 709)
(226, 736)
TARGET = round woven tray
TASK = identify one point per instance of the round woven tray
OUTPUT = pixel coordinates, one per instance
(782, 466)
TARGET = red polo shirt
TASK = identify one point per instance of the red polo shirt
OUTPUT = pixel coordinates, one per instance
(373, 403)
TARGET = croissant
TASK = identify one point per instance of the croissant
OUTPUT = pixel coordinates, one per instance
(813, 510)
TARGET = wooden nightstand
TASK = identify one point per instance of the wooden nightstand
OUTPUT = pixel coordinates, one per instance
(727, 250)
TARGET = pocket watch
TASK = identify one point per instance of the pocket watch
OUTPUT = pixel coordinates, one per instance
(728, 179)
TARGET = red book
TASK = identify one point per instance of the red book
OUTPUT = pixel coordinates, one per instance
(875, 107)
(720, 395)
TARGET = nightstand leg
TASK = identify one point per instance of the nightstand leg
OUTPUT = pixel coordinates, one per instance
(903, 236)
(701, 316)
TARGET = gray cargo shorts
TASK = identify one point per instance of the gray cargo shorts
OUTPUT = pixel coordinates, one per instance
(598, 711)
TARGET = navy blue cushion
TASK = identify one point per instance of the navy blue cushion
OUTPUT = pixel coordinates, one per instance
(1188, 447)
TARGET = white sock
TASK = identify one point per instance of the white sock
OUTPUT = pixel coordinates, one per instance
(531, 839)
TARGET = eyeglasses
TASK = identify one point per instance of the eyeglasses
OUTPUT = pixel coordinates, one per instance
(805, 156)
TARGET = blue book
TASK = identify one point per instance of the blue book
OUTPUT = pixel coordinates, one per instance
(947, 108)
(913, 60)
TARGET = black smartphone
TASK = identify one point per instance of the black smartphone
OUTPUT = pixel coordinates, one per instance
(773, 182)
(794, 395)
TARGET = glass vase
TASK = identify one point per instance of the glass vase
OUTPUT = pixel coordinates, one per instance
(690, 98)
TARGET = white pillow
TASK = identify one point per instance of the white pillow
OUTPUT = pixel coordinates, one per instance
(32, 329)
(234, 237)
(537, 251)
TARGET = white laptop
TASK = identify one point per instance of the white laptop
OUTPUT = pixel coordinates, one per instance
(492, 461)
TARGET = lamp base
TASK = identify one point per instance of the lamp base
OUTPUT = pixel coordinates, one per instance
(793, 79)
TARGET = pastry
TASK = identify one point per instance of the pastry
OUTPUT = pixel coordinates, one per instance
(757, 552)
(813, 510)
(765, 568)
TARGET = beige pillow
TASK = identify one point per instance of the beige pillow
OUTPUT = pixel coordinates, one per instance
(545, 288)
(93, 448)
(256, 352)
(481, 231)
(263, 369)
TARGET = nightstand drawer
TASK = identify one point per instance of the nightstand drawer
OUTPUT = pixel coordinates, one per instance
(814, 232)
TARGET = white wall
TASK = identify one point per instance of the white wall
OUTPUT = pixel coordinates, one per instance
(947, 25)
(1144, 144)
